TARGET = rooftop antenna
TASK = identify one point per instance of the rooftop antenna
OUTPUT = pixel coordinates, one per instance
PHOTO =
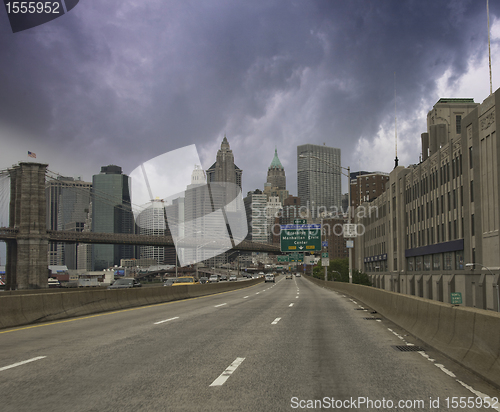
(489, 48)
(395, 124)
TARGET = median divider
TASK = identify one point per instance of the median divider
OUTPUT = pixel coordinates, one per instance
(19, 309)
(469, 336)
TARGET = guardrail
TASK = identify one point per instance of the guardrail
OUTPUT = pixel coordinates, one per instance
(24, 309)
(469, 336)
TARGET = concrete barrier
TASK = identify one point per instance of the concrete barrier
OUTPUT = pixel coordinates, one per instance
(21, 309)
(469, 336)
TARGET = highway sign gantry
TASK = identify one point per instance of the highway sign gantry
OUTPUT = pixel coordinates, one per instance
(300, 238)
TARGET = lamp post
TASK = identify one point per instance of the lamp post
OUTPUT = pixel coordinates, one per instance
(348, 198)
(471, 265)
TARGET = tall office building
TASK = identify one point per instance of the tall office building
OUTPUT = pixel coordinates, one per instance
(111, 213)
(224, 169)
(151, 222)
(255, 208)
(68, 202)
(276, 180)
(319, 178)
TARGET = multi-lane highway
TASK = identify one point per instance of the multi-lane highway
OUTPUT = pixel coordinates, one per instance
(272, 347)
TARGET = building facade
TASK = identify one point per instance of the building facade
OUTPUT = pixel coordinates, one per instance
(68, 203)
(440, 218)
(111, 213)
(319, 178)
(224, 169)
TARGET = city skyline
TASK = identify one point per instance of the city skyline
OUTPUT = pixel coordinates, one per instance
(288, 74)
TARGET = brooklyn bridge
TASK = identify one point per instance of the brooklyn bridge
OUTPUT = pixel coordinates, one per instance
(27, 237)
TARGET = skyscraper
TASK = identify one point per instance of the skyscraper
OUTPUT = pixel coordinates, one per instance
(151, 222)
(111, 213)
(276, 180)
(319, 178)
(224, 169)
(68, 202)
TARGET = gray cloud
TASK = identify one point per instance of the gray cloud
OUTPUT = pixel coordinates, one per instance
(123, 81)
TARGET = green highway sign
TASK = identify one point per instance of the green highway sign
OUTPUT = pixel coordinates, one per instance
(296, 257)
(283, 258)
(456, 298)
(299, 221)
(324, 254)
(300, 238)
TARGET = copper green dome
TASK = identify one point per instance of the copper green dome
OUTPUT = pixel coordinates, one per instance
(276, 164)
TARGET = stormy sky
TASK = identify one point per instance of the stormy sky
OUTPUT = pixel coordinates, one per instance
(123, 81)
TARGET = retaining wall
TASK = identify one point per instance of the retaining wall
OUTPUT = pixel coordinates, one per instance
(467, 335)
(19, 309)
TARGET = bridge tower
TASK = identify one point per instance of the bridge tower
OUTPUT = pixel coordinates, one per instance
(27, 258)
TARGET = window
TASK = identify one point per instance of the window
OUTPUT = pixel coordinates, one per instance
(409, 264)
(472, 232)
(448, 261)
(436, 261)
(458, 123)
(418, 263)
(470, 157)
(472, 191)
(459, 259)
(427, 262)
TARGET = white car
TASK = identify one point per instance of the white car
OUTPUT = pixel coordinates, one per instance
(269, 278)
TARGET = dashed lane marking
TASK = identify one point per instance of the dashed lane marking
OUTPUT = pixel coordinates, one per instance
(166, 320)
(22, 363)
(227, 373)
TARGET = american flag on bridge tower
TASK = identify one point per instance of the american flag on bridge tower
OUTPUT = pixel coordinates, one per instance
(31, 154)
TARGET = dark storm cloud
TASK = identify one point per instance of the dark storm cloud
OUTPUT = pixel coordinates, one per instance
(123, 81)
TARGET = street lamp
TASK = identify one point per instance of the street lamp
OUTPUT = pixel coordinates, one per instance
(348, 197)
(471, 265)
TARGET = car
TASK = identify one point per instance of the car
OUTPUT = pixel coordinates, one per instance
(185, 280)
(233, 277)
(261, 274)
(289, 276)
(203, 280)
(298, 274)
(169, 282)
(213, 278)
(269, 278)
(223, 277)
(125, 283)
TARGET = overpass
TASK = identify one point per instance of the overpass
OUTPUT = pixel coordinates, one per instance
(27, 237)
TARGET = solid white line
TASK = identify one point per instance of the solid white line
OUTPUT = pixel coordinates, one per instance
(227, 373)
(275, 321)
(22, 363)
(166, 320)
(222, 304)
(290, 305)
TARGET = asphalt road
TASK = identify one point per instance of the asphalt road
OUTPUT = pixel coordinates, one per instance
(272, 347)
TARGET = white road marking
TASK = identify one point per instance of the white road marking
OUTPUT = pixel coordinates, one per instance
(257, 293)
(22, 363)
(296, 297)
(275, 321)
(166, 320)
(222, 304)
(245, 297)
(227, 373)
(448, 372)
(480, 394)
(290, 305)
